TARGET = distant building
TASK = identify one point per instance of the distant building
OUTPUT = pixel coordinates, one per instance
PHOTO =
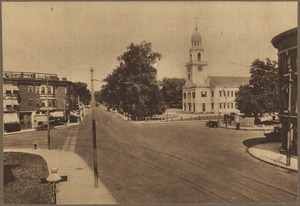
(286, 43)
(207, 94)
(26, 93)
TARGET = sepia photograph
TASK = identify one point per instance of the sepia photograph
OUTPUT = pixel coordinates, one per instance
(149, 102)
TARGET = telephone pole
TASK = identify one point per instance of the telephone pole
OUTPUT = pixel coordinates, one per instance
(94, 131)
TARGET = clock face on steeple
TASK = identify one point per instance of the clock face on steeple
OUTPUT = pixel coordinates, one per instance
(200, 68)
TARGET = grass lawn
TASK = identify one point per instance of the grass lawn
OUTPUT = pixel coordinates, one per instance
(22, 174)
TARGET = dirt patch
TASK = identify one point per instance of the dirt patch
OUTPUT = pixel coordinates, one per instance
(22, 179)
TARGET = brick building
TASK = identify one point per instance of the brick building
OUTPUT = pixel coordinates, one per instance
(27, 93)
(286, 43)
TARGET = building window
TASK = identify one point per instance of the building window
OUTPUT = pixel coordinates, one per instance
(43, 90)
(43, 103)
(203, 94)
(228, 93)
(232, 93)
(224, 93)
(203, 107)
(190, 57)
(184, 95)
(194, 107)
(37, 89)
(194, 95)
(9, 107)
(220, 93)
(49, 90)
(231, 105)
(220, 105)
(30, 103)
(16, 107)
(235, 93)
(199, 57)
(37, 103)
(30, 89)
(54, 90)
(212, 105)
(189, 76)
(212, 93)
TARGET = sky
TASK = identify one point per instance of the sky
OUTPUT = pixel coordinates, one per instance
(68, 38)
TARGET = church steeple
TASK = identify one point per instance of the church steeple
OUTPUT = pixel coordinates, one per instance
(195, 67)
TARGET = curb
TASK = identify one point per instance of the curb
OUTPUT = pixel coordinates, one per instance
(268, 157)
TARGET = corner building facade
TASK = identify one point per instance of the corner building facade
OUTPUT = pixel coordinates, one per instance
(286, 43)
(207, 94)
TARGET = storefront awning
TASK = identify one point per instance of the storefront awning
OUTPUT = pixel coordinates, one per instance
(57, 114)
(10, 102)
(10, 118)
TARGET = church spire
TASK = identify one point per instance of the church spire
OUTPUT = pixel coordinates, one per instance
(196, 23)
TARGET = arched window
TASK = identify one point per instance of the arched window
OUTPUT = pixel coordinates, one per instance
(199, 57)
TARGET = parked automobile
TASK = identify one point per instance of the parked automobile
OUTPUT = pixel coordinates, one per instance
(44, 125)
(274, 136)
(212, 123)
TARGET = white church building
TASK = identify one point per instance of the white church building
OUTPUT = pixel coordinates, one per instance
(207, 94)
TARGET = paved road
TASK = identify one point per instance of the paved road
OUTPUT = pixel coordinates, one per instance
(171, 163)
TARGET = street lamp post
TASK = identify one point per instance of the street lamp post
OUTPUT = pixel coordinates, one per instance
(225, 106)
(48, 114)
(94, 132)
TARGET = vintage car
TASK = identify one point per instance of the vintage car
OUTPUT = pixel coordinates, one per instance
(212, 123)
(274, 136)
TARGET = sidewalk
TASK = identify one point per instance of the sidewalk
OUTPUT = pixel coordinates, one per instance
(79, 189)
(32, 130)
(273, 157)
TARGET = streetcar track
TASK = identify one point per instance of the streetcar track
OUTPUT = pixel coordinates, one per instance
(60, 141)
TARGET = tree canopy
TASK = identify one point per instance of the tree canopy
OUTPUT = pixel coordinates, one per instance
(172, 91)
(261, 94)
(132, 87)
(81, 90)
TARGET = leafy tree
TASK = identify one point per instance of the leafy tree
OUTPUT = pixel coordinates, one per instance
(261, 94)
(172, 91)
(81, 90)
(132, 87)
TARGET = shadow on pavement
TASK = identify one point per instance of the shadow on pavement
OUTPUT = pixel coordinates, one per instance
(255, 141)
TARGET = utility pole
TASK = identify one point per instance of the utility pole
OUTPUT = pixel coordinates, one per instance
(48, 114)
(94, 131)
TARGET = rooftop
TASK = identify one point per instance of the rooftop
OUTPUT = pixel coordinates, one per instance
(29, 75)
(228, 81)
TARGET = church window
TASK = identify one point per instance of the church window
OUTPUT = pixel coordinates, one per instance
(235, 93)
(203, 94)
(194, 107)
(194, 95)
(212, 93)
(189, 76)
(220, 93)
(232, 93)
(199, 57)
(212, 105)
(227, 93)
(203, 107)
(184, 95)
(190, 57)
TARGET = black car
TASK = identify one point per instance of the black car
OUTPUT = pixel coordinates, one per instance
(212, 123)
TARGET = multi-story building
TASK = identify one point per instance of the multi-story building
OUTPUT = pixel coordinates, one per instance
(28, 92)
(286, 43)
(207, 94)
